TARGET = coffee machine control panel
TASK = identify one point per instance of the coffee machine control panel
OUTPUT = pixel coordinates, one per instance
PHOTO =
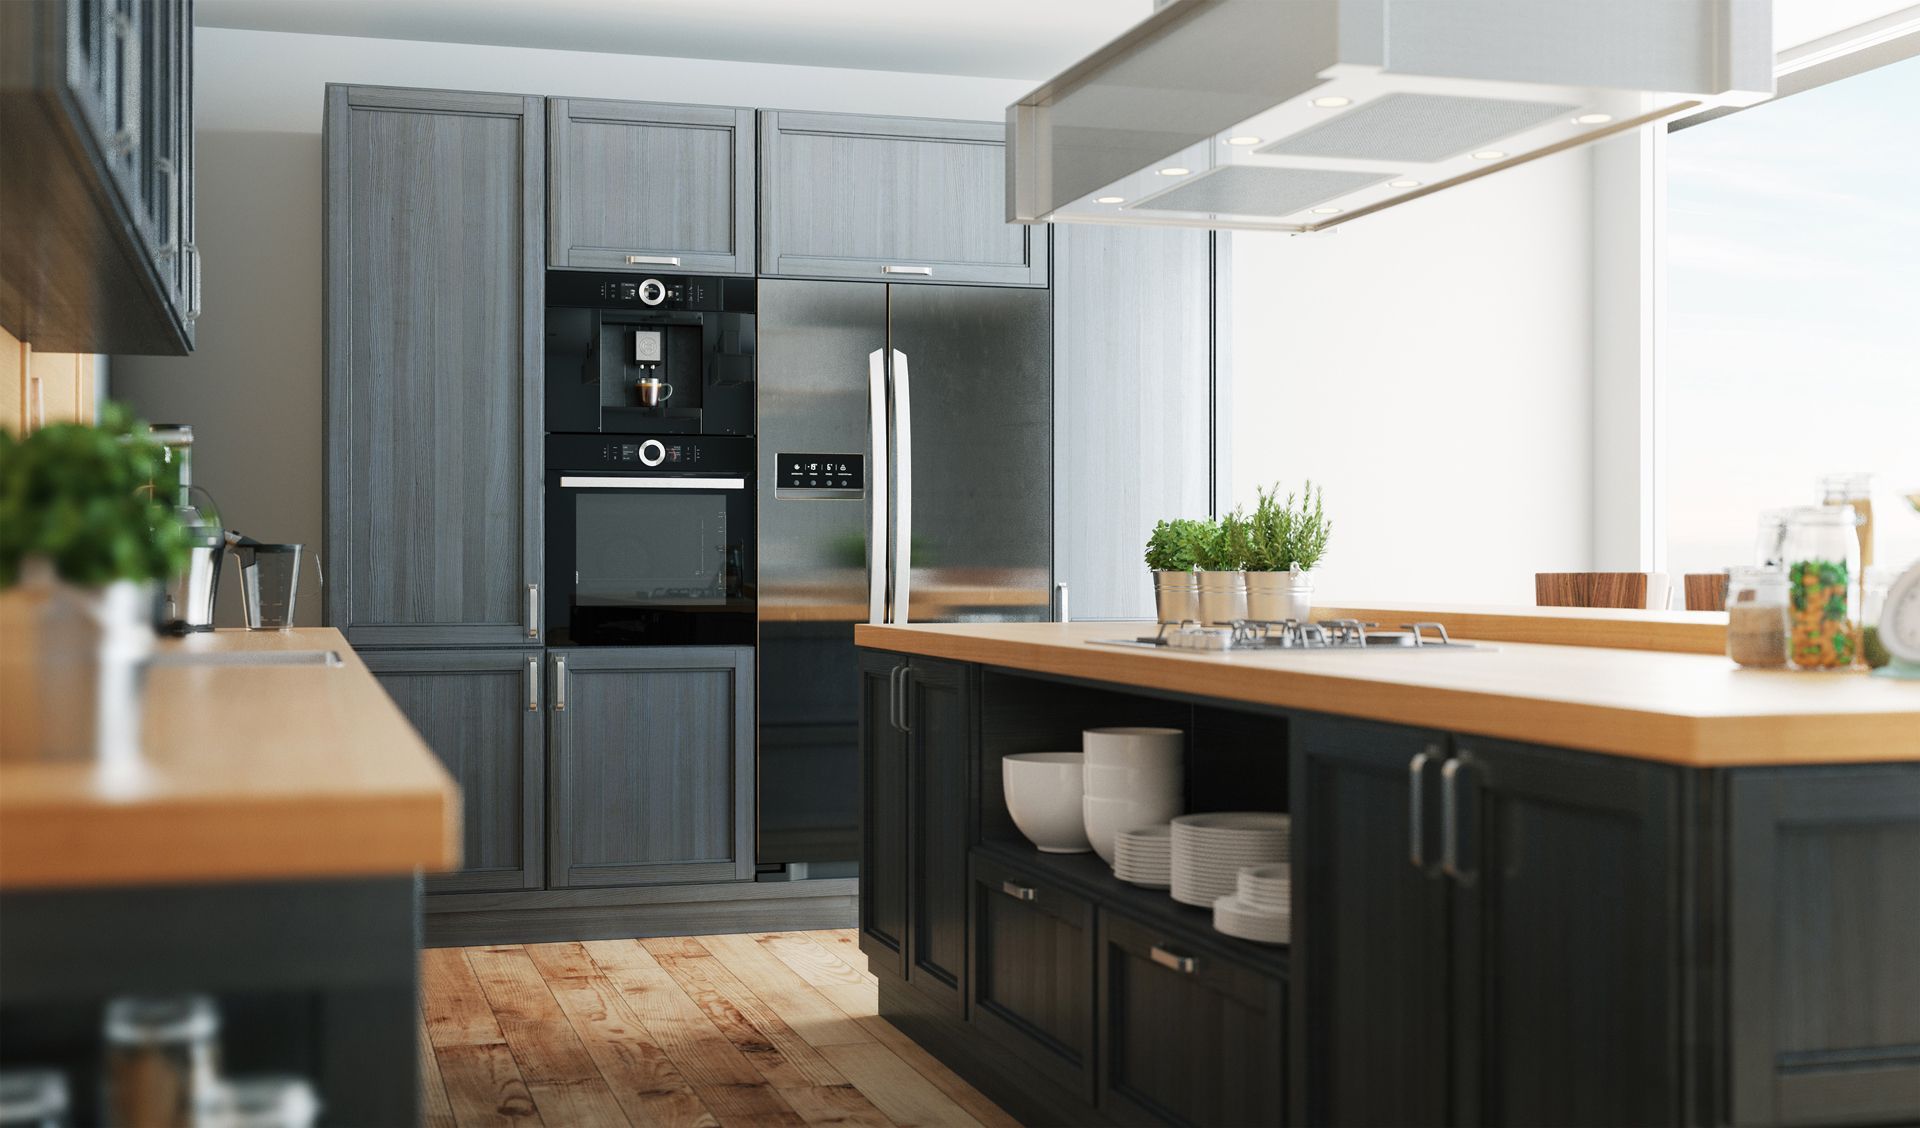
(820, 475)
(649, 291)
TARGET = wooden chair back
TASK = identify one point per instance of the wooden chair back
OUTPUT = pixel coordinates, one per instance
(1591, 589)
(1706, 591)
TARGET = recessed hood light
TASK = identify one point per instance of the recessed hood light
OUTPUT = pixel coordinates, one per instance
(1328, 211)
(1243, 139)
(1174, 170)
(1110, 199)
(1489, 155)
(1332, 102)
(1593, 119)
(1403, 184)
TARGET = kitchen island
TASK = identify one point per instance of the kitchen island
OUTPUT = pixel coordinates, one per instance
(264, 849)
(1532, 884)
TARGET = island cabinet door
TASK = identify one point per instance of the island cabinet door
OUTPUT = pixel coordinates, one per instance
(1371, 909)
(651, 763)
(1566, 936)
(883, 814)
(1824, 944)
(938, 706)
(1030, 983)
(480, 712)
(1186, 1037)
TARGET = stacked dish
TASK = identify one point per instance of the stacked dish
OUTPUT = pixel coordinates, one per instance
(1210, 850)
(1144, 856)
(1134, 777)
(1260, 909)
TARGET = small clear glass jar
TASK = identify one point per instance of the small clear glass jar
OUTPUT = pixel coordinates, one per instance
(1770, 539)
(1875, 583)
(1757, 617)
(1823, 588)
(1854, 491)
(163, 1060)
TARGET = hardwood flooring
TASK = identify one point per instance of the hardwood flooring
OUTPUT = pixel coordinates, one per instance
(761, 1029)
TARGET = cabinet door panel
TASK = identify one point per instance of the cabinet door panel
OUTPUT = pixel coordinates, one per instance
(883, 816)
(1566, 938)
(940, 737)
(479, 710)
(844, 196)
(1370, 929)
(651, 752)
(1030, 983)
(1198, 1043)
(434, 207)
(652, 181)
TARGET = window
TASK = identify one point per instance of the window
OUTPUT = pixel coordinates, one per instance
(1793, 314)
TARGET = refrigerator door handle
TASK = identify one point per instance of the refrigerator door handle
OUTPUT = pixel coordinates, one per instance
(877, 509)
(902, 490)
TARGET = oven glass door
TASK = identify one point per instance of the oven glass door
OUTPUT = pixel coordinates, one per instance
(651, 558)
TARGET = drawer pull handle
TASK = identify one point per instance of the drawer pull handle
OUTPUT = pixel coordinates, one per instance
(1185, 965)
(925, 271)
(1017, 891)
(653, 260)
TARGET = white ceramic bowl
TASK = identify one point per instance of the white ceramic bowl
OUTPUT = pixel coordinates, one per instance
(1105, 818)
(1122, 781)
(1043, 796)
(1134, 747)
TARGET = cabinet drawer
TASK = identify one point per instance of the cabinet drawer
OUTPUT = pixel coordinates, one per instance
(1185, 1036)
(1031, 974)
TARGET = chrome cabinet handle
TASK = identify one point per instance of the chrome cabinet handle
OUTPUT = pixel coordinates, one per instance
(1060, 592)
(193, 299)
(533, 685)
(906, 698)
(1019, 892)
(559, 683)
(894, 677)
(923, 271)
(1416, 805)
(1166, 957)
(533, 610)
(653, 260)
(1450, 824)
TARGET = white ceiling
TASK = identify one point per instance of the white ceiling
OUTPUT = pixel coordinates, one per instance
(1027, 39)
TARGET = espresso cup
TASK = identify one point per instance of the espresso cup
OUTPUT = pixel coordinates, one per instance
(653, 393)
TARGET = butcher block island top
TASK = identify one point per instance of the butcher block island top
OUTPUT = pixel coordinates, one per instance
(1697, 710)
(249, 771)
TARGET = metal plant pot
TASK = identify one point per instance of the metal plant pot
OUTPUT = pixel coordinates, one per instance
(1278, 596)
(1176, 596)
(1223, 596)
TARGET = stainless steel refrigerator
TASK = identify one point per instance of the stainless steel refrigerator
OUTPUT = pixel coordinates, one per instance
(905, 476)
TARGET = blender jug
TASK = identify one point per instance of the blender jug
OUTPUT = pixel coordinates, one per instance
(269, 580)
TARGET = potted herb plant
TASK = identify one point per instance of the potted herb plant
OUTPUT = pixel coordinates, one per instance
(1170, 555)
(1221, 554)
(1285, 541)
(84, 539)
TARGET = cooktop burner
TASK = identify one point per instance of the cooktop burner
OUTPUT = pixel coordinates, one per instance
(1292, 634)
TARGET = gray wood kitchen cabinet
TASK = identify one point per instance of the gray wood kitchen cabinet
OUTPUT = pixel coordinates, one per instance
(650, 764)
(480, 712)
(434, 209)
(648, 187)
(887, 199)
(1132, 404)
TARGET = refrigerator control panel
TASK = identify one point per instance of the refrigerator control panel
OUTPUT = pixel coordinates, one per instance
(820, 475)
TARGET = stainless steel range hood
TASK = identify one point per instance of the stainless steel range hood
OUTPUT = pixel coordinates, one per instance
(1296, 115)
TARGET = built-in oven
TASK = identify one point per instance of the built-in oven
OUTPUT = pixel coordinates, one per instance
(650, 540)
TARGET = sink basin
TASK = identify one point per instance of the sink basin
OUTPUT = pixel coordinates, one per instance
(251, 658)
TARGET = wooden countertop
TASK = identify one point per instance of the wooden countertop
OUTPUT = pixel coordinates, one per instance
(1692, 709)
(248, 773)
(1685, 632)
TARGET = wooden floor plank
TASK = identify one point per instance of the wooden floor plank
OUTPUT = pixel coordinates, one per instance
(456, 1009)
(824, 1105)
(560, 1074)
(725, 1080)
(896, 1088)
(812, 1015)
(435, 1110)
(784, 1058)
(484, 1086)
(825, 972)
(562, 961)
(845, 943)
(643, 1078)
(936, 1071)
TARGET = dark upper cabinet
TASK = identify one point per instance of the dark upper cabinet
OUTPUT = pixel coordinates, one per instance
(647, 187)
(480, 711)
(1186, 1037)
(1370, 941)
(886, 199)
(1823, 991)
(883, 813)
(1030, 979)
(96, 98)
(1565, 876)
(434, 210)
(650, 765)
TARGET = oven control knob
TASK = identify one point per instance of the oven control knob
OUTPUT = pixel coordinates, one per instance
(653, 452)
(653, 292)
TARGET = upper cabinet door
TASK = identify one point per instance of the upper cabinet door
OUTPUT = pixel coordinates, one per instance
(434, 290)
(647, 187)
(886, 199)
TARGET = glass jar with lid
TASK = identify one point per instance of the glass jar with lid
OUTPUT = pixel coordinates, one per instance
(1855, 491)
(1757, 617)
(1823, 588)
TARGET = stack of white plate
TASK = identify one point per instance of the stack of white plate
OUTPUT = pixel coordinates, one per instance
(1133, 777)
(1144, 856)
(1210, 850)
(1232, 916)
(1268, 888)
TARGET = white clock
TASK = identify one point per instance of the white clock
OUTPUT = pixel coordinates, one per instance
(1900, 618)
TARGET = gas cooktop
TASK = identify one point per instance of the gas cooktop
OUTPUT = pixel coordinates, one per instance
(1292, 634)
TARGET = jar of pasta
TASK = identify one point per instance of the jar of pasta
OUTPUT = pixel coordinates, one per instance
(1822, 551)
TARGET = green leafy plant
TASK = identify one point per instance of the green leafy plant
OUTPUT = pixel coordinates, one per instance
(1282, 534)
(1223, 547)
(77, 495)
(1173, 544)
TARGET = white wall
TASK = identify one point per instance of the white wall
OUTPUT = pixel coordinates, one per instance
(1431, 367)
(252, 387)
